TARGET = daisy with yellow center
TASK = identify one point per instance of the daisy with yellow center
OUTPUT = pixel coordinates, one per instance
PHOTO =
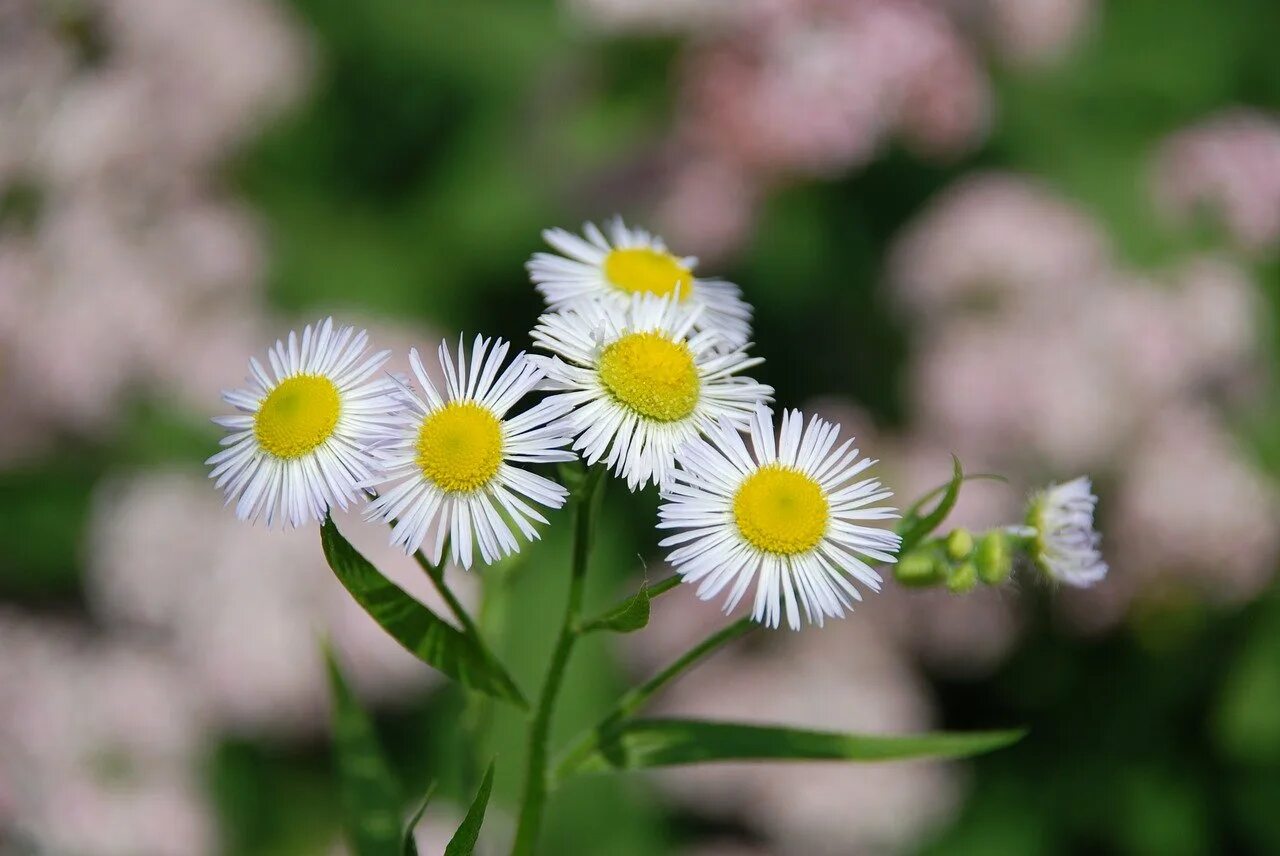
(788, 515)
(632, 261)
(642, 382)
(449, 457)
(299, 444)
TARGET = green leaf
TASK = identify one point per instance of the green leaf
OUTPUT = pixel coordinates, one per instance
(914, 527)
(639, 743)
(463, 842)
(370, 797)
(633, 613)
(423, 633)
(410, 845)
(627, 618)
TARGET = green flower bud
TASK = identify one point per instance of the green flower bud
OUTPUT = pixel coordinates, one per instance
(959, 545)
(994, 558)
(918, 569)
(963, 577)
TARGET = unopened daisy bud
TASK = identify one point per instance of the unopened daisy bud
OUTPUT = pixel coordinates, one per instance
(920, 569)
(994, 558)
(963, 577)
(1064, 543)
(959, 545)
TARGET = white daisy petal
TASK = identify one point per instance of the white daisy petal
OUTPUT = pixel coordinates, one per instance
(773, 511)
(445, 457)
(299, 444)
(640, 390)
(1066, 546)
(629, 262)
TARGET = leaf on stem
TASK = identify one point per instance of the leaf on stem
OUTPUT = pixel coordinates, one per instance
(410, 847)
(463, 842)
(370, 797)
(633, 613)
(915, 527)
(424, 634)
(638, 743)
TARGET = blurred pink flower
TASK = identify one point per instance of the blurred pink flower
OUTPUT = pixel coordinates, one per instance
(816, 87)
(99, 749)
(1229, 165)
(244, 609)
(133, 242)
(1193, 507)
(1035, 32)
(996, 237)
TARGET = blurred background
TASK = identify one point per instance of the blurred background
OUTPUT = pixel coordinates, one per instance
(1042, 234)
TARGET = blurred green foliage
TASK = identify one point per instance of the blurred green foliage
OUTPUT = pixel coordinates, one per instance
(438, 140)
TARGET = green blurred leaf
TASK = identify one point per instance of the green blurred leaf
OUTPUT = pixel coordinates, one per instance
(914, 527)
(423, 633)
(410, 847)
(370, 798)
(463, 842)
(639, 743)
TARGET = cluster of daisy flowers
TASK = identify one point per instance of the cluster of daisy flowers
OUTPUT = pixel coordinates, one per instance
(642, 372)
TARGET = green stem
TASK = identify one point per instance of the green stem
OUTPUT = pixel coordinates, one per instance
(534, 800)
(436, 574)
(634, 699)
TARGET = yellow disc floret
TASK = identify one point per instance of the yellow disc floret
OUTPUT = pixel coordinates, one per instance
(651, 374)
(780, 511)
(460, 446)
(297, 416)
(640, 270)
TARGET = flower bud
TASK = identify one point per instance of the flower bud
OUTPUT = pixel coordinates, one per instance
(959, 545)
(919, 568)
(994, 558)
(963, 577)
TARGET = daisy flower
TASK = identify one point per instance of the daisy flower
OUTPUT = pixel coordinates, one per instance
(787, 514)
(300, 442)
(642, 382)
(1064, 542)
(629, 262)
(450, 456)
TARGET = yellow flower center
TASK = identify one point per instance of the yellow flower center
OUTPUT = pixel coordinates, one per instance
(297, 416)
(780, 511)
(640, 270)
(460, 446)
(652, 375)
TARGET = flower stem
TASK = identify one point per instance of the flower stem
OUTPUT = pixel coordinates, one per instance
(436, 574)
(534, 800)
(634, 699)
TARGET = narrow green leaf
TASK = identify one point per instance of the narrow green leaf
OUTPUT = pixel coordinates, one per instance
(463, 842)
(410, 845)
(370, 798)
(914, 528)
(639, 743)
(423, 633)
